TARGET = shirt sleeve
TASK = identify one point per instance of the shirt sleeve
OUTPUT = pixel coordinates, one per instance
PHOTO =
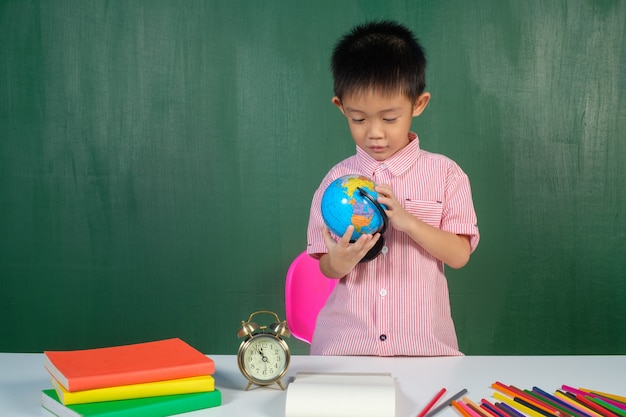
(315, 239)
(459, 216)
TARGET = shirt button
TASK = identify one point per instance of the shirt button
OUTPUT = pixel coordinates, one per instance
(384, 250)
(383, 337)
(383, 292)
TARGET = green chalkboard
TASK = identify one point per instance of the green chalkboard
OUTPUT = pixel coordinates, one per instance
(158, 159)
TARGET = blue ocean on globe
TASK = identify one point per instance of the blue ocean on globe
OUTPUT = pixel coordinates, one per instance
(344, 205)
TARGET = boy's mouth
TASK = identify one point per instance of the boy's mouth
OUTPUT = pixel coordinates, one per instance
(378, 149)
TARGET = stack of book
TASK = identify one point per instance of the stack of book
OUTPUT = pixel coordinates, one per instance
(152, 379)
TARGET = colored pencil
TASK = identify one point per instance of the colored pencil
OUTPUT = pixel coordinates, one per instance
(499, 386)
(537, 402)
(492, 412)
(471, 404)
(606, 395)
(601, 410)
(582, 408)
(470, 410)
(579, 399)
(509, 410)
(532, 406)
(575, 390)
(432, 402)
(492, 407)
(566, 412)
(446, 403)
(518, 406)
(593, 394)
(609, 406)
(615, 403)
(560, 404)
(460, 409)
(526, 399)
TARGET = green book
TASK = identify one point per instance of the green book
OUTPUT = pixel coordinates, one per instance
(161, 406)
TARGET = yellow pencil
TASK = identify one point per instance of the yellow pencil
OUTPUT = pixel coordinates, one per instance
(510, 391)
(520, 407)
(605, 394)
(576, 405)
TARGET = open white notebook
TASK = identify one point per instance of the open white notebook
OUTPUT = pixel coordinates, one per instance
(341, 395)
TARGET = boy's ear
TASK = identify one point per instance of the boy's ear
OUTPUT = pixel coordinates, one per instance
(420, 104)
(337, 102)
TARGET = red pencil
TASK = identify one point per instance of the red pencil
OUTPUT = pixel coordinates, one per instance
(431, 403)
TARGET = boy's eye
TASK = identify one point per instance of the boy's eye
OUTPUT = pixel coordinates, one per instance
(357, 120)
(390, 119)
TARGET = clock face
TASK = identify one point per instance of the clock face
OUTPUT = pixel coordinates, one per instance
(263, 358)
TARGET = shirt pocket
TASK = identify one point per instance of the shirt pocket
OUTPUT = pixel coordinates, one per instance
(427, 211)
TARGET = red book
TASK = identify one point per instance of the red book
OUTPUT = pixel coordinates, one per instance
(79, 370)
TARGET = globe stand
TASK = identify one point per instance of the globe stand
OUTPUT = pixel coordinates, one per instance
(375, 251)
(380, 244)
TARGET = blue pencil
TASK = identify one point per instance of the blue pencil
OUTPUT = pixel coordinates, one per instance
(509, 410)
(561, 403)
(493, 408)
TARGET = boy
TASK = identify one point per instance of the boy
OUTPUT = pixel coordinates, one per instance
(396, 304)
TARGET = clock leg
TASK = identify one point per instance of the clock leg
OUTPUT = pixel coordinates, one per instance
(280, 385)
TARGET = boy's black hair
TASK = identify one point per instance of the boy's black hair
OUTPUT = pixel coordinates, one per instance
(382, 55)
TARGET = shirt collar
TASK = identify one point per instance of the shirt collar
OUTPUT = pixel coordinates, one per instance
(396, 163)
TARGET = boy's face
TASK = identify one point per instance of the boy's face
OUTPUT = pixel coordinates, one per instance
(380, 123)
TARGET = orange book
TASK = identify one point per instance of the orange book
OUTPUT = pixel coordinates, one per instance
(78, 370)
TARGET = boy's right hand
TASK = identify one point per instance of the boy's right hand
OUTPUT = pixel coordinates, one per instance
(342, 255)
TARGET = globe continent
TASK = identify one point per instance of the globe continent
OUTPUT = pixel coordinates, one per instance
(343, 205)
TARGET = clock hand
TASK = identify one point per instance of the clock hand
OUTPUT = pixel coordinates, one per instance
(263, 357)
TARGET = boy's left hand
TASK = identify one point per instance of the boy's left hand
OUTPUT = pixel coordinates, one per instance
(452, 249)
(398, 217)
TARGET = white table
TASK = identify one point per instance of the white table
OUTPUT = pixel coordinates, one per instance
(22, 377)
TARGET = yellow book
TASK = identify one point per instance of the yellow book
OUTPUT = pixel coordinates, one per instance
(202, 383)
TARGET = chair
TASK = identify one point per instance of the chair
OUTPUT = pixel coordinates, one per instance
(306, 291)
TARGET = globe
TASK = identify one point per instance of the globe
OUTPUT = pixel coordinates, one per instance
(351, 200)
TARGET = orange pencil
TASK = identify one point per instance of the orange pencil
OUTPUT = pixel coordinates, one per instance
(469, 409)
(499, 386)
(475, 407)
(457, 407)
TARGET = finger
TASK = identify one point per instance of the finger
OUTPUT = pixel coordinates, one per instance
(384, 189)
(345, 239)
(364, 243)
(387, 202)
(328, 238)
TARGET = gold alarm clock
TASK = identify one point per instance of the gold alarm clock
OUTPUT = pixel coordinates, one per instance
(263, 356)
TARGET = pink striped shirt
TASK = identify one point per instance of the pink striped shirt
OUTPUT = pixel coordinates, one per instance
(398, 304)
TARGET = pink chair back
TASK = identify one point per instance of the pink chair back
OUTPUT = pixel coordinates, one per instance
(306, 291)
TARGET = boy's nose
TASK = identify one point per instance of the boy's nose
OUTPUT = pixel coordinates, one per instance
(375, 130)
